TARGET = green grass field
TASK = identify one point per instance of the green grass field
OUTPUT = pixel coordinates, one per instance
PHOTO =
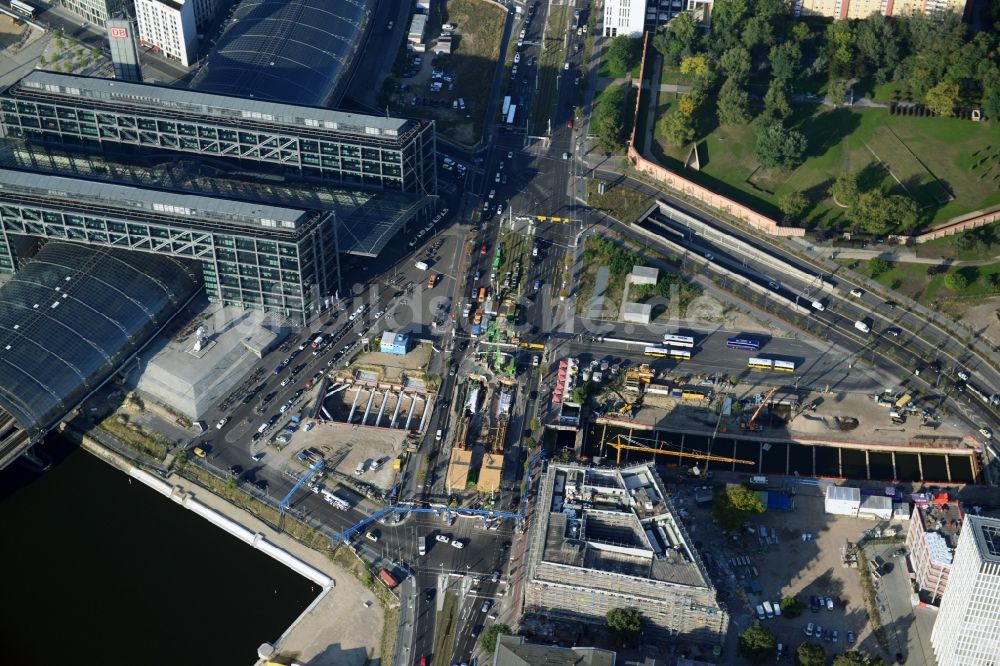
(915, 281)
(550, 66)
(963, 156)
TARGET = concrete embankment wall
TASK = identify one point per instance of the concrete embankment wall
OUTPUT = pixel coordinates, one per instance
(227, 523)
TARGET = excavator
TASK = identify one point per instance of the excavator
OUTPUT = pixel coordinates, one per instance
(625, 443)
(751, 424)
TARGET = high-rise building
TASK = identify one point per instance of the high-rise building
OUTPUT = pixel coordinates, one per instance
(967, 629)
(304, 142)
(931, 541)
(859, 9)
(632, 17)
(97, 11)
(169, 27)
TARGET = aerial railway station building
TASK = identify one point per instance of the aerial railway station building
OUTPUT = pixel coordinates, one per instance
(302, 142)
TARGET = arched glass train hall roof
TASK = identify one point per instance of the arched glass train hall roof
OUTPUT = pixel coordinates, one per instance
(68, 319)
(291, 51)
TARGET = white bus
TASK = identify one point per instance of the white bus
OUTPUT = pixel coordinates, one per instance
(506, 106)
(510, 114)
(678, 341)
(22, 8)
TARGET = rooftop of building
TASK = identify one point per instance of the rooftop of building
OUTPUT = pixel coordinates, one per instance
(134, 202)
(293, 51)
(617, 521)
(986, 533)
(942, 516)
(70, 317)
(227, 106)
(367, 220)
(515, 651)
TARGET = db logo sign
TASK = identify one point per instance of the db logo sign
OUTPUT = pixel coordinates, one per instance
(118, 33)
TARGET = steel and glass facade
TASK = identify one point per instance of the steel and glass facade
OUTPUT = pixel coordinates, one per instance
(251, 255)
(312, 143)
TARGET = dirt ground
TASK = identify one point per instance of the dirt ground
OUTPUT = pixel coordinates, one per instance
(10, 32)
(344, 446)
(983, 317)
(391, 367)
(790, 568)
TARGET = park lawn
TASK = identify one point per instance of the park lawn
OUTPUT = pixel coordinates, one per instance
(839, 140)
(673, 75)
(550, 67)
(913, 280)
(619, 201)
(945, 248)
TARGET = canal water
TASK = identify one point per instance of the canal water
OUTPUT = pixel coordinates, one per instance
(99, 570)
(790, 459)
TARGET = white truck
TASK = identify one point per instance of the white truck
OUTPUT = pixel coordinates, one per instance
(862, 326)
(421, 265)
(333, 500)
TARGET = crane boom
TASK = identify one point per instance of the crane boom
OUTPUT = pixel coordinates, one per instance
(619, 445)
(752, 423)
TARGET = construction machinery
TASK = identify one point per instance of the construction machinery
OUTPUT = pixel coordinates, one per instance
(635, 377)
(625, 443)
(751, 424)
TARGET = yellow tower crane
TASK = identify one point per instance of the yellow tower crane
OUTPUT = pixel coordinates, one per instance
(626, 443)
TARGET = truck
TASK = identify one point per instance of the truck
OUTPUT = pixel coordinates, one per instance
(506, 105)
(421, 265)
(768, 610)
(431, 281)
(422, 545)
(334, 501)
(511, 113)
(318, 342)
(862, 326)
(903, 401)
(387, 578)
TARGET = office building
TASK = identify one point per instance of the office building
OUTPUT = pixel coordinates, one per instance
(859, 9)
(633, 17)
(931, 541)
(171, 26)
(608, 538)
(251, 255)
(516, 651)
(97, 11)
(967, 629)
(310, 143)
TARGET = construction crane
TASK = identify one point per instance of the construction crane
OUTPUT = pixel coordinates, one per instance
(625, 443)
(752, 424)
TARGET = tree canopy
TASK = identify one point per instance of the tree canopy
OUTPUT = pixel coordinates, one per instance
(489, 638)
(624, 53)
(733, 504)
(778, 146)
(855, 658)
(609, 121)
(810, 654)
(624, 623)
(757, 645)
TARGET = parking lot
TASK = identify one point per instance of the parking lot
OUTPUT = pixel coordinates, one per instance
(749, 573)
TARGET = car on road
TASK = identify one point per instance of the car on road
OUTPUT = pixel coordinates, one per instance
(372, 536)
(487, 604)
(814, 603)
(834, 636)
(510, 154)
(429, 593)
(986, 432)
(457, 544)
(963, 375)
(857, 293)
(497, 178)
(565, 66)
(200, 451)
(286, 381)
(893, 331)
(495, 577)
(499, 209)
(476, 630)
(829, 603)
(389, 25)
(709, 256)
(569, 123)
(309, 426)
(423, 661)
(774, 284)
(261, 484)
(283, 439)
(222, 423)
(810, 629)
(493, 193)
(850, 637)
(257, 457)
(235, 470)
(443, 538)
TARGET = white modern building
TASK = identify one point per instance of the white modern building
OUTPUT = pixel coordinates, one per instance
(632, 17)
(967, 629)
(171, 26)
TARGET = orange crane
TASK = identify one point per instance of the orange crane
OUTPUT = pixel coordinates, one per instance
(752, 423)
(626, 443)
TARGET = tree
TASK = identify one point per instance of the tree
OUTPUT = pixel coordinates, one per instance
(489, 638)
(735, 62)
(727, 16)
(942, 98)
(776, 104)
(810, 654)
(793, 204)
(800, 32)
(697, 65)
(684, 30)
(757, 645)
(758, 33)
(732, 103)
(845, 189)
(609, 120)
(733, 504)
(791, 607)
(623, 54)
(903, 210)
(786, 60)
(877, 266)
(855, 658)
(956, 280)
(870, 213)
(778, 146)
(677, 127)
(624, 623)
(836, 91)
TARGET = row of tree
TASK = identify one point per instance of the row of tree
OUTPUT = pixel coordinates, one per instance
(758, 645)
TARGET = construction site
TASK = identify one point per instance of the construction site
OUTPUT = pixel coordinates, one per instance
(480, 434)
(608, 538)
(705, 426)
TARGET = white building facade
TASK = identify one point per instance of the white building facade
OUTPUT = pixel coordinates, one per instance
(632, 17)
(171, 26)
(967, 629)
